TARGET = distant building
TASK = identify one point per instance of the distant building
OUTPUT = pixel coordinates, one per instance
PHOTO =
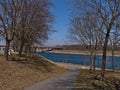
(46, 48)
(2, 49)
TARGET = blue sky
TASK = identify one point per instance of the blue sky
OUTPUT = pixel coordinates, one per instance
(61, 11)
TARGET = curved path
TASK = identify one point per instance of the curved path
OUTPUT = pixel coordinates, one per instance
(65, 81)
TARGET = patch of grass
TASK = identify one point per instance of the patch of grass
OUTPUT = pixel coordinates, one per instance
(117, 53)
(24, 71)
(89, 81)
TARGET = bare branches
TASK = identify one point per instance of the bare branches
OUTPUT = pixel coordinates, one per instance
(97, 18)
(27, 21)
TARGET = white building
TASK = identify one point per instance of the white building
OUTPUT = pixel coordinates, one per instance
(2, 49)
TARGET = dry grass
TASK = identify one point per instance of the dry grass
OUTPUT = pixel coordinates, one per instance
(88, 81)
(21, 72)
(109, 52)
(71, 51)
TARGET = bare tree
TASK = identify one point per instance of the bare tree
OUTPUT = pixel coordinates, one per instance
(8, 21)
(107, 11)
(84, 30)
(34, 23)
(25, 21)
(115, 41)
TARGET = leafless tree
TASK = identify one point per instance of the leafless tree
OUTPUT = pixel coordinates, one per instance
(84, 30)
(34, 23)
(107, 12)
(25, 21)
(8, 21)
(115, 40)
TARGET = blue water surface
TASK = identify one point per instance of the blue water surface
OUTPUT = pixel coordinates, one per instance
(80, 59)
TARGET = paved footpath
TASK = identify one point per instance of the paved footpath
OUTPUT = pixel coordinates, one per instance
(65, 81)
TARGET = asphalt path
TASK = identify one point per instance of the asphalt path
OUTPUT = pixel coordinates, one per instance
(65, 81)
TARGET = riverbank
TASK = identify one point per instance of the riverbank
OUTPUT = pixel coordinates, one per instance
(80, 59)
(109, 52)
(91, 81)
(78, 77)
(21, 72)
(69, 65)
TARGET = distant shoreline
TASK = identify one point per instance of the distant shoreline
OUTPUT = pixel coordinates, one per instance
(117, 53)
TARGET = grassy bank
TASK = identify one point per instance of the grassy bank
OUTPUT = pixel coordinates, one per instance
(21, 72)
(109, 52)
(90, 81)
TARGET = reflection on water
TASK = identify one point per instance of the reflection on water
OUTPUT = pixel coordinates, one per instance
(80, 59)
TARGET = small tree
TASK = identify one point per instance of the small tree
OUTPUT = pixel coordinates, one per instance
(85, 31)
(114, 41)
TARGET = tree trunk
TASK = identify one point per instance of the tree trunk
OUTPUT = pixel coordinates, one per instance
(94, 62)
(104, 56)
(113, 67)
(21, 49)
(94, 58)
(29, 51)
(103, 63)
(7, 49)
(84, 60)
(91, 61)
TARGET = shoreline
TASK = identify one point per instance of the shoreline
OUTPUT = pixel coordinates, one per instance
(84, 62)
(79, 52)
(79, 66)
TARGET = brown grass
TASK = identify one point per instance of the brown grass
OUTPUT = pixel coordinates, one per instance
(21, 72)
(87, 81)
(109, 52)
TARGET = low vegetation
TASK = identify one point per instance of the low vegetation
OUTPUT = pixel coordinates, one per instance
(23, 71)
(90, 81)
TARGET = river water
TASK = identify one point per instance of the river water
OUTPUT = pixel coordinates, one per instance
(81, 59)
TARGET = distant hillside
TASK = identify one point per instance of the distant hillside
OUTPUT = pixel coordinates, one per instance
(84, 47)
